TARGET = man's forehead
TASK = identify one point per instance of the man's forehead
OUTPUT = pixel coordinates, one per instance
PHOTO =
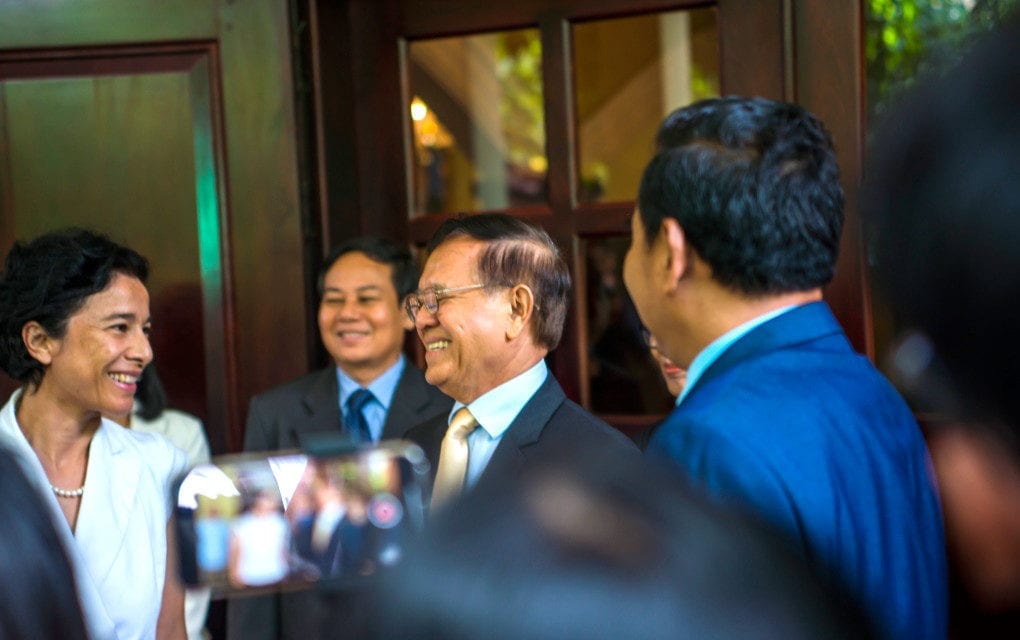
(355, 271)
(455, 257)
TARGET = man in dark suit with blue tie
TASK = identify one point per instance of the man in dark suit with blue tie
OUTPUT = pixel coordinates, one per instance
(736, 232)
(491, 304)
(370, 392)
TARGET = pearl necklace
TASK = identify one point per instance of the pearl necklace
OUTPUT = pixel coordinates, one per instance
(68, 493)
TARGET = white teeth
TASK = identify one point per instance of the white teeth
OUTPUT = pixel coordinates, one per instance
(123, 378)
(437, 345)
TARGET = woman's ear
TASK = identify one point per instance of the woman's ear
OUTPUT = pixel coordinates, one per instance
(39, 344)
(522, 306)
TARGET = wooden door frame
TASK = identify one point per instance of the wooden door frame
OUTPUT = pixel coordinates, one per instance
(362, 131)
(256, 317)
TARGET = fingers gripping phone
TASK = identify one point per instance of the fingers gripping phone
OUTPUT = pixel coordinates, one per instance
(331, 516)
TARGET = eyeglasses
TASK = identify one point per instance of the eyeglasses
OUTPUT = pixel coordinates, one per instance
(430, 299)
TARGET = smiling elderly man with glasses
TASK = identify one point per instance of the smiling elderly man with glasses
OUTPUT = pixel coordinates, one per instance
(491, 304)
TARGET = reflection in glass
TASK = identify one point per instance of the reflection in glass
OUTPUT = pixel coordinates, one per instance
(906, 39)
(478, 121)
(629, 73)
(623, 374)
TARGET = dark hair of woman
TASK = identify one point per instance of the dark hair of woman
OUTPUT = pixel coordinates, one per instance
(150, 394)
(47, 280)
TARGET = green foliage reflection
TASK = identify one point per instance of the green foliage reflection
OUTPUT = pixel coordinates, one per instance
(519, 68)
(906, 39)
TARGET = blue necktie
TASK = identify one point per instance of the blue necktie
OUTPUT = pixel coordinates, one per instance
(356, 423)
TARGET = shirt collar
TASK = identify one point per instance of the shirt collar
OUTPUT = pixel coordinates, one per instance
(496, 409)
(707, 357)
(382, 387)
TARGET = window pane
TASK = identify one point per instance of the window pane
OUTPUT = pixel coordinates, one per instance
(629, 74)
(478, 122)
(624, 377)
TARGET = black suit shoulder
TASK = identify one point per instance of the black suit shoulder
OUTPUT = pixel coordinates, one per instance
(298, 387)
(573, 424)
(278, 417)
(549, 420)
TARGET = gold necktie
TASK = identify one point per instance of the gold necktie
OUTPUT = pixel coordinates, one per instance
(453, 457)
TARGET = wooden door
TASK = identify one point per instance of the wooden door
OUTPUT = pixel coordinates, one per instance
(169, 125)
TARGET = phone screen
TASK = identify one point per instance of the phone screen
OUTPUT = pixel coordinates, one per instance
(289, 520)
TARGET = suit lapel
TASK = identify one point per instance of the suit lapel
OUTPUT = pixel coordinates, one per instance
(321, 405)
(797, 326)
(429, 436)
(109, 503)
(409, 399)
(526, 429)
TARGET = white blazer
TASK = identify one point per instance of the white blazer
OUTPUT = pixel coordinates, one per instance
(185, 432)
(118, 549)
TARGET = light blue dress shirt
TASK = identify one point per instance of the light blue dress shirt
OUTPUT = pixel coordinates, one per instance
(382, 388)
(495, 410)
(711, 353)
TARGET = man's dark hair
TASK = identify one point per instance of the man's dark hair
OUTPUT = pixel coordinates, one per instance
(518, 253)
(48, 280)
(754, 185)
(941, 203)
(383, 251)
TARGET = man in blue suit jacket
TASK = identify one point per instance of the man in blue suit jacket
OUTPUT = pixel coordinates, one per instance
(492, 303)
(735, 234)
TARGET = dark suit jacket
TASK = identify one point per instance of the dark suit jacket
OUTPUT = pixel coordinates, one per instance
(280, 419)
(548, 425)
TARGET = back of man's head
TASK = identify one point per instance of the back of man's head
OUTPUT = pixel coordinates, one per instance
(755, 187)
(942, 199)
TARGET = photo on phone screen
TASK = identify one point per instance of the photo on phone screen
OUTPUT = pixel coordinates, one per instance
(254, 523)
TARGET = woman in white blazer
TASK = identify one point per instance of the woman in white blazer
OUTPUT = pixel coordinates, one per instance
(74, 323)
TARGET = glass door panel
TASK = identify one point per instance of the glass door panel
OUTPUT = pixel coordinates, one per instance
(629, 73)
(478, 122)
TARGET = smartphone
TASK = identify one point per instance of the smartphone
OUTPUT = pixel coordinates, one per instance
(331, 516)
